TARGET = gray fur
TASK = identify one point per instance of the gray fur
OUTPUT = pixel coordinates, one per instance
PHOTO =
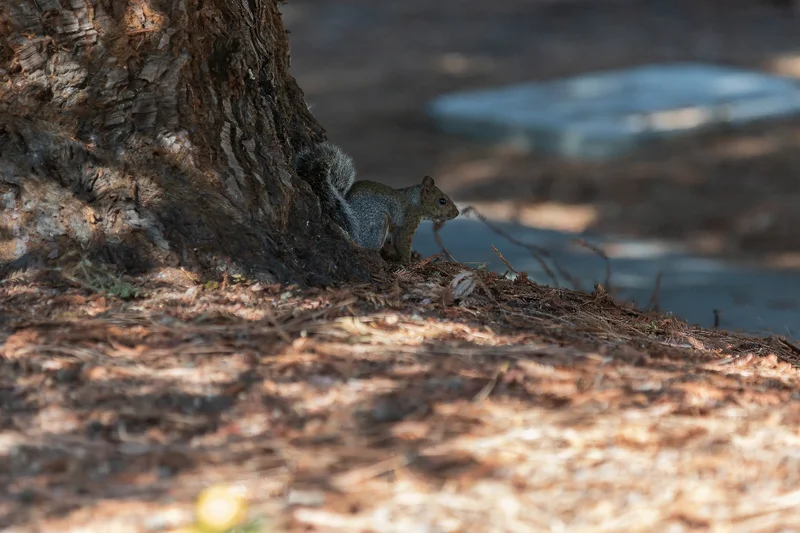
(371, 213)
(330, 172)
(374, 216)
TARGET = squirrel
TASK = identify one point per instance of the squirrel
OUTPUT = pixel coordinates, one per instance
(371, 213)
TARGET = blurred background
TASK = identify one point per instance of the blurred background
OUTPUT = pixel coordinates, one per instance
(371, 69)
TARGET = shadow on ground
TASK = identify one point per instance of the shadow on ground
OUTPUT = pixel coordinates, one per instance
(347, 402)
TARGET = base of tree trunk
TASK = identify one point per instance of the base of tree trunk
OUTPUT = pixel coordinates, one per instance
(158, 135)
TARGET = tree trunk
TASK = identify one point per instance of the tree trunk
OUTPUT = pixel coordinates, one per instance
(158, 132)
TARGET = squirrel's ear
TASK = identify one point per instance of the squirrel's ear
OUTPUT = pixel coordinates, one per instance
(427, 181)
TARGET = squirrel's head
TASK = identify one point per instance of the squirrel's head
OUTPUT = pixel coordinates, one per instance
(436, 205)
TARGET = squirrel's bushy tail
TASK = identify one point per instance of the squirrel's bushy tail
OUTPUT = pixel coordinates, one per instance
(330, 172)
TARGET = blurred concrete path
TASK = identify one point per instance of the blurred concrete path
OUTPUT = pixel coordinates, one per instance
(749, 299)
(602, 115)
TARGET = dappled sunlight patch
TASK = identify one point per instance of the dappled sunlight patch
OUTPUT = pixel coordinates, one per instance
(749, 146)
(390, 406)
(142, 17)
(787, 260)
(547, 215)
(786, 65)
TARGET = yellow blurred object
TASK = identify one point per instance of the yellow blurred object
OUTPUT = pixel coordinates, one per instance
(186, 529)
(220, 507)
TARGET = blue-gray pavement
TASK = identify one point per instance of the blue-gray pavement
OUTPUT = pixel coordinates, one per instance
(755, 300)
(606, 114)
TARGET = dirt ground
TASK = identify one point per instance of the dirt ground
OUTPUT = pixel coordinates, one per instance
(369, 68)
(436, 399)
(432, 400)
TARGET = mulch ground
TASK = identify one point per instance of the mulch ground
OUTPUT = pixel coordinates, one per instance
(436, 399)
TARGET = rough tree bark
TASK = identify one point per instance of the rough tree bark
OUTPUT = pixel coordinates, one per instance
(158, 132)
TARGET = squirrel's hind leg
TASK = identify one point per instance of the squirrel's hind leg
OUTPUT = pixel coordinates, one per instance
(372, 234)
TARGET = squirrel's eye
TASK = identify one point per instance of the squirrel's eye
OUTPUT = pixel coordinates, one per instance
(442, 201)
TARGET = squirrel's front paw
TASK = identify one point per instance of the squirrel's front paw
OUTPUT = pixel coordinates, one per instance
(407, 259)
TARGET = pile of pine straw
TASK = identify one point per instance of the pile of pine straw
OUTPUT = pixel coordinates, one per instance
(436, 399)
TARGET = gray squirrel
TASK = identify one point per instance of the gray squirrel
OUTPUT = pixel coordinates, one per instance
(371, 213)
